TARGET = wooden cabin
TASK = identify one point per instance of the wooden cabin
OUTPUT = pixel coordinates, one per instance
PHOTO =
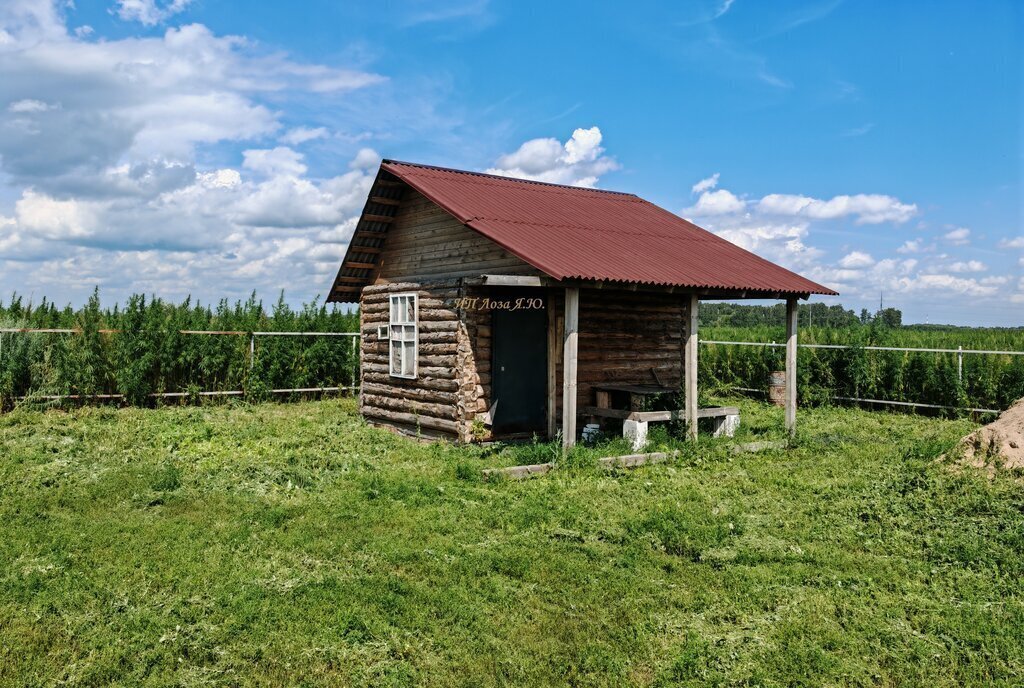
(494, 307)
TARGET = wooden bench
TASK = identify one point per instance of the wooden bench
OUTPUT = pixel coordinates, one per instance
(634, 422)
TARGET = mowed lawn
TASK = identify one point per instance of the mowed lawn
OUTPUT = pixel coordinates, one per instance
(285, 544)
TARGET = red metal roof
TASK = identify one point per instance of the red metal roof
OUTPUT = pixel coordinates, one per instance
(569, 232)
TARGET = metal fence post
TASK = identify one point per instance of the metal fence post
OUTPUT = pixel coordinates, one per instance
(355, 360)
(960, 365)
(252, 351)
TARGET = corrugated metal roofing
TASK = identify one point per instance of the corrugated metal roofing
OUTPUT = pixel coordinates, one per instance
(589, 234)
(574, 233)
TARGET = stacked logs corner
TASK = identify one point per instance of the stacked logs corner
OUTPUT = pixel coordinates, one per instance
(452, 383)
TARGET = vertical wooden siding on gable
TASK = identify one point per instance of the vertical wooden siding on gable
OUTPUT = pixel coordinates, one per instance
(425, 242)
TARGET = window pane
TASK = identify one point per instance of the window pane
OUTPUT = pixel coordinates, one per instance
(409, 357)
(396, 358)
(402, 334)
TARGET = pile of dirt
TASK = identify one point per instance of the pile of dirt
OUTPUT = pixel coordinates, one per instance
(999, 444)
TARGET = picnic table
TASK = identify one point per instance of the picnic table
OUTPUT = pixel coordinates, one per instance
(634, 420)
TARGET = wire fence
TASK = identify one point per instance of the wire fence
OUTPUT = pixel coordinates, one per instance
(960, 352)
(355, 336)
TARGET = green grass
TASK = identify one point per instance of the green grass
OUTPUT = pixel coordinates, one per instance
(293, 545)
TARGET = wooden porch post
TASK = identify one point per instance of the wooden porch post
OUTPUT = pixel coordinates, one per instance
(791, 325)
(552, 366)
(572, 322)
(690, 366)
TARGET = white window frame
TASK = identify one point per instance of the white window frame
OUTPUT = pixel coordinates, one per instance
(400, 328)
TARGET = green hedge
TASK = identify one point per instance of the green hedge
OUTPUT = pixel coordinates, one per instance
(989, 381)
(150, 355)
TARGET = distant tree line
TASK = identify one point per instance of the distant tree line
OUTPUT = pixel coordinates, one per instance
(810, 315)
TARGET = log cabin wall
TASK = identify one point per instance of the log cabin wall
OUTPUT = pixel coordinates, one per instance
(427, 405)
(623, 335)
(427, 251)
(452, 387)
(474, 367)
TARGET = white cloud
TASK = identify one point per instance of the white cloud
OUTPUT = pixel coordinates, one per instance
(148, 12)
(761, 227)
(968, 266)
(219, 179)
(783, 243)
(286, 200)
(856, 259)
(948, 283)
(723, 8)
(958, 236)
(53, 219)
(720, 202)
(28, 105)
(365, 159)
(280, 161)
(99, 142)
(236, 231)
(136, 99)
(706, 184)
(866, 208)
(444, 12)
(300, 135)
(580, 161)
(1016, 242)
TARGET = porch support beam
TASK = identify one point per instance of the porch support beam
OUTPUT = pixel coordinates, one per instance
(569, 360)
(690, 365)
(791, 325)
(552, 372)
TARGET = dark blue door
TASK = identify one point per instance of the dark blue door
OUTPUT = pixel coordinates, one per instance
(520, 362)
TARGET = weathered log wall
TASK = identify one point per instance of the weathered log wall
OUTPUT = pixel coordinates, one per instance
(426, 405)
(427, 251)
(623, 335)
(453, 381)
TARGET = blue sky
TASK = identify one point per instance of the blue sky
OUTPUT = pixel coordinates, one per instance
(214, 148)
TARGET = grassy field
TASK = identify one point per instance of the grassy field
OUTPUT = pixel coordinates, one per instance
(292, 545)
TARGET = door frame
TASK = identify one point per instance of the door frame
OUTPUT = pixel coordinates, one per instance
(556, 327)
(552, 341)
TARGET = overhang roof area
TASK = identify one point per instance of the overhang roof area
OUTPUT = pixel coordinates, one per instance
(569, 233)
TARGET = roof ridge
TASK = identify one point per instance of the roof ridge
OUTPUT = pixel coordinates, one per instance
(507, 179)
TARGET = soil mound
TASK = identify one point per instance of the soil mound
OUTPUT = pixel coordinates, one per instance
(999, 444)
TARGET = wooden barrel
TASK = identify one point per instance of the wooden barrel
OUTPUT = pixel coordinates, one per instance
(777, 387)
